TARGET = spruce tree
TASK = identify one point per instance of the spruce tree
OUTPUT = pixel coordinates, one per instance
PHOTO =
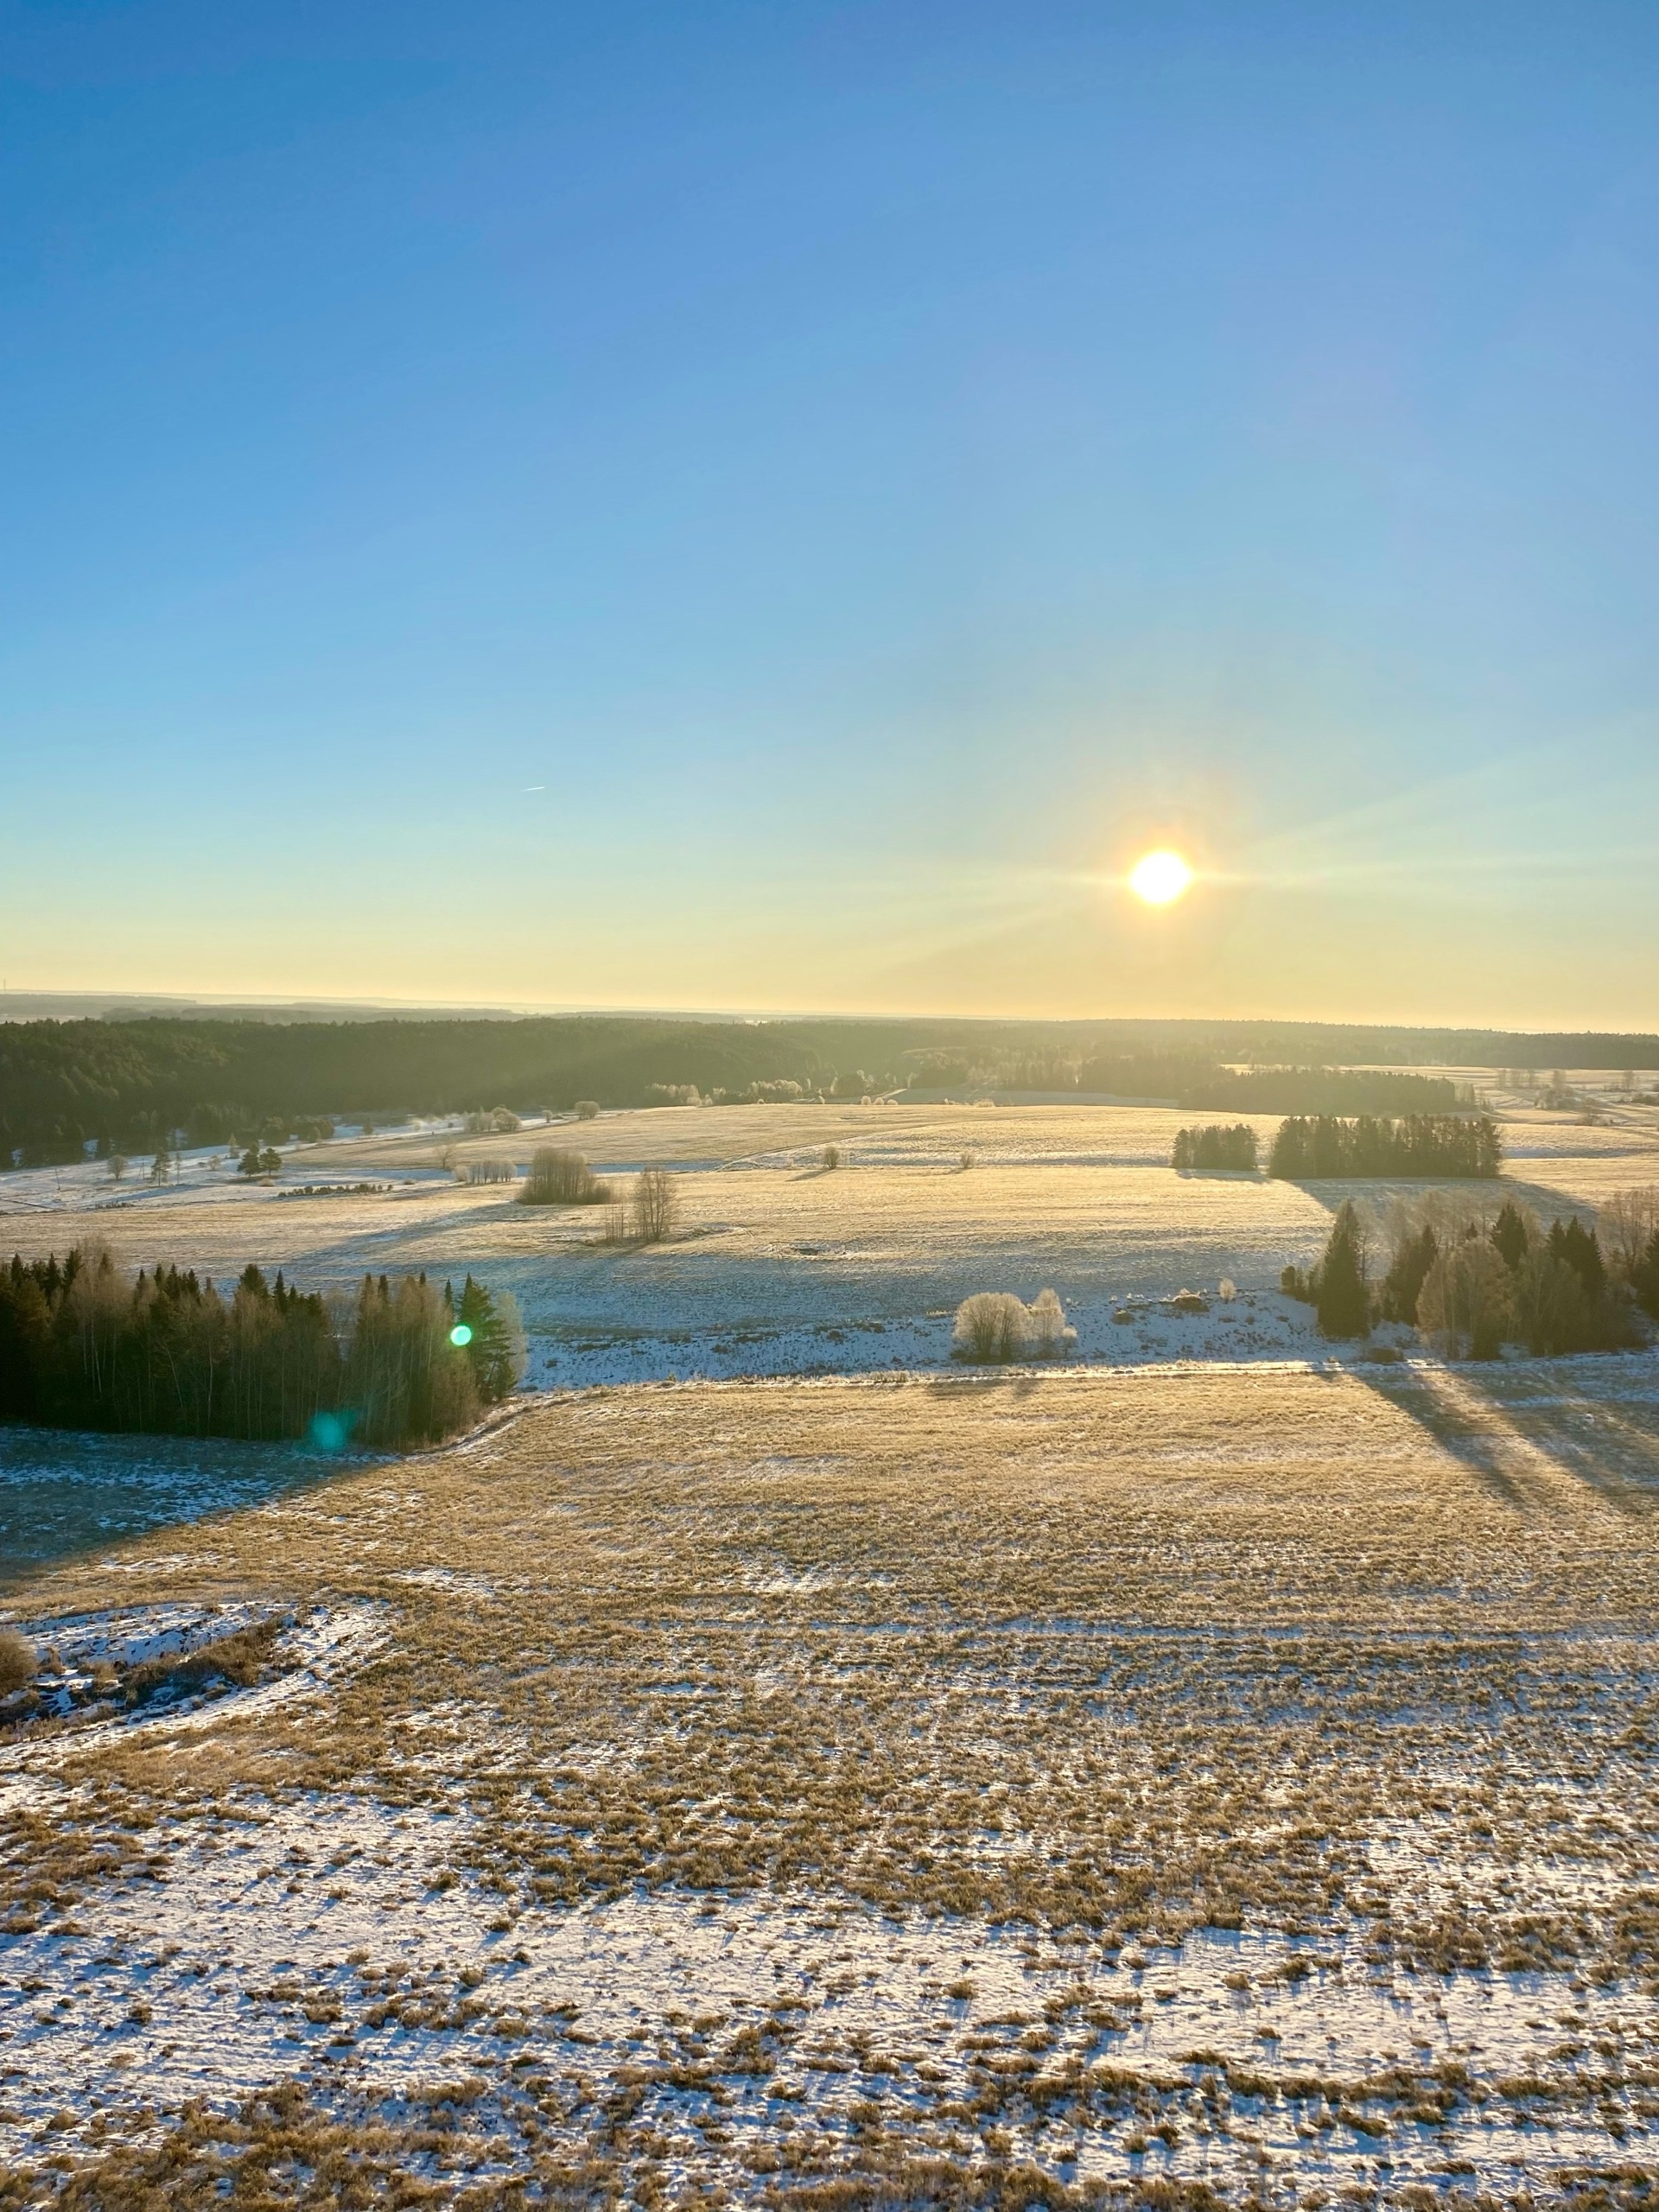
(1343, 1301)
(1510, 1235)
(490, 1350)
(1403, 1283)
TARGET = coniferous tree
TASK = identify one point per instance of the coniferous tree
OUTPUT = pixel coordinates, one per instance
(1344, 1299)
(1510, 1235)
(1407, 1271)
(1577, 1248)
(1217, 1149)
(1307, 1150)
(492, 1350)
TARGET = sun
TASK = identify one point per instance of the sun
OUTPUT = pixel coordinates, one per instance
(1160, 878)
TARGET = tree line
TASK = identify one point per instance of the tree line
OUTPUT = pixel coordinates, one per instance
(83, 1345)
(1471, 1286)
(1233, 1149)
(1325, 1146)
(1325, 1091)
(131, 1085)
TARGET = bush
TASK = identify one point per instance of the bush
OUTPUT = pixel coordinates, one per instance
(830, 1156)
(992, 1326)
(16, 1661)
(499, 1122)
(1227, 1150)
(672, 1094)
(587, 1110)
(558, 1178)
(240, 1658)
(655, 1207)
(1049, 1336)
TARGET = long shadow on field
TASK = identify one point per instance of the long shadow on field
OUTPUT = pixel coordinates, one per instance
(1525, 1435)
(66, 1493)
(1375, 1194)
(1018, 1383)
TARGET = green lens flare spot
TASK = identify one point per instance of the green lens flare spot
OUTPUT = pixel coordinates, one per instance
(461, 1334)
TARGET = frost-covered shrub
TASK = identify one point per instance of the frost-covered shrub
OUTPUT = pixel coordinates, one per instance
(1050, 1337)
(558, 1178)
(587, 1110)
(992, 1326)
(831, 1156)
(16, 1661)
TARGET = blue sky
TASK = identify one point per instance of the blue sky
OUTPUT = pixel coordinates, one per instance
(776, 506)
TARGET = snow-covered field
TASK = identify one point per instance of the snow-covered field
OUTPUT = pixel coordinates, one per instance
(1235, 1774)
(1220, 1765)
(783, 1267)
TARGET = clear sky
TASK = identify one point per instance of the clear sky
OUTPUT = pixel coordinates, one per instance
(777, 506)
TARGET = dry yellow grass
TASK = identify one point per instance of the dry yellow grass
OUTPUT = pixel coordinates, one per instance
(1109, 1658)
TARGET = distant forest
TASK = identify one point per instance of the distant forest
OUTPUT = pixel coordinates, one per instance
(131, 1085)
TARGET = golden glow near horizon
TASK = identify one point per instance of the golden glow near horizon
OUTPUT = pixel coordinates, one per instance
(1159, 878)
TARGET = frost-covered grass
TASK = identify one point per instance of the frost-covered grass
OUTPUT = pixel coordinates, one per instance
(780, 1267)
(63, 1492)
(1237, 1775)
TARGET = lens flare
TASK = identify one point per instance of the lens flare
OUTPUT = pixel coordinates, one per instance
(461, 1334)
(1160, 878)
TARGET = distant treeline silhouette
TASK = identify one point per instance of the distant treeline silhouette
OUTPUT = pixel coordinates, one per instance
(1199, 1083)
(129, 1085)
(1324, 1090)
(85, 1345)
(1422, 1144)
(1216, 1148)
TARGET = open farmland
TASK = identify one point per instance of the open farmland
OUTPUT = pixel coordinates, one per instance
(1219, 1771)
(781, 1266)
(1236, 1779)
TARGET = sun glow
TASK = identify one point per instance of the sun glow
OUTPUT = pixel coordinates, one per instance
(1160, 878)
